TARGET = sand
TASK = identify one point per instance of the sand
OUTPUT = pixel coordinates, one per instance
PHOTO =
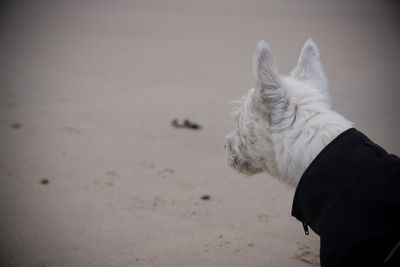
(93, 173)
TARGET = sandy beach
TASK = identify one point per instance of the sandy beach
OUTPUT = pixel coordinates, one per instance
(93, 173)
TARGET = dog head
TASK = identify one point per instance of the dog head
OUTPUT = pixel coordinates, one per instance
(277, 111)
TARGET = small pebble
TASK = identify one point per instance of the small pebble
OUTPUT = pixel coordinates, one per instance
(205, 197)
(16, 125)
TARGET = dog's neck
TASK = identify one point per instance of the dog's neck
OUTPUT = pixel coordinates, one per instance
(297, 149)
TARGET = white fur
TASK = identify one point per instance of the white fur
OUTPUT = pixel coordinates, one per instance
(285, 121)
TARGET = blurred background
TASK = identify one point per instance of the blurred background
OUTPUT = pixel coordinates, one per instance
(92, 173)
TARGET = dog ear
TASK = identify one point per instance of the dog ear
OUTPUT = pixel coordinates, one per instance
(268, 84)
(309, 67)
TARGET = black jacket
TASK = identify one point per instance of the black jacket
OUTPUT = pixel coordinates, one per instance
(350, 197)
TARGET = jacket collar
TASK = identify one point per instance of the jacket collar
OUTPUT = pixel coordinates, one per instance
(336, 168)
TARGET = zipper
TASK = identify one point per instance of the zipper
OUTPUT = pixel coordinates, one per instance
(392, 253)
(305, 226)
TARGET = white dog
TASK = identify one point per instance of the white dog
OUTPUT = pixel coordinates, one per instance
(285, 121)
(347, 186)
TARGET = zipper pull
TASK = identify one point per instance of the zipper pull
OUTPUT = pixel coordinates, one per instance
(305, 226)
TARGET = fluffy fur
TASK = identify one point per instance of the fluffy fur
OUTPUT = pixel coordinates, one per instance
(284, 121)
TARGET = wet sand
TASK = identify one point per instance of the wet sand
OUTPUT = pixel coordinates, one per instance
(94, 173)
